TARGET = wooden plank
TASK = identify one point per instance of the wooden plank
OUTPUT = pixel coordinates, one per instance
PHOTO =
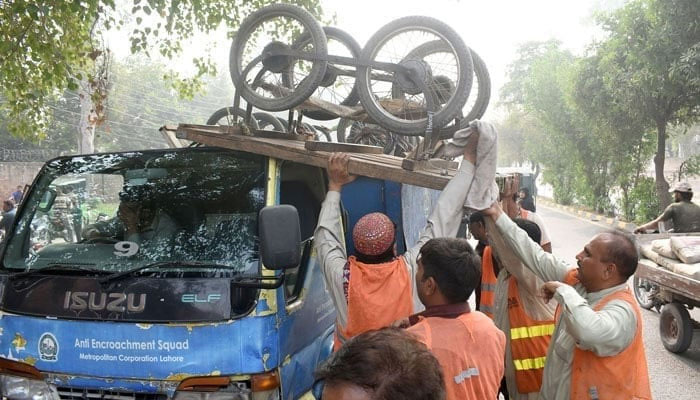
(343, 147)
(379, 166)
(670, 280)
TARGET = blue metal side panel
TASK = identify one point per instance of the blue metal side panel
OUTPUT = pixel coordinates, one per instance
(418, 203)
(305, 333)
(366, 195)
(133, 351)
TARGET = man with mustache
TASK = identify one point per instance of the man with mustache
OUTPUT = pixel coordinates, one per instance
(596, 351)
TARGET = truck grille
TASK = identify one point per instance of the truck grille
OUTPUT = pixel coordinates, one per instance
(68, 393)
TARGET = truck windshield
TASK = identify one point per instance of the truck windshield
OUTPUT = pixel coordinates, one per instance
(115, 212)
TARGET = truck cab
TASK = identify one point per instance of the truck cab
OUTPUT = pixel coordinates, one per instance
(162, 289)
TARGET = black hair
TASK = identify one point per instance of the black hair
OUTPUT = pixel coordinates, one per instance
(387, 256)
(389, 363)
(532, 229)
(475, 217)
(526, 191)
(622, 251)
(686, 196)
(454, 265)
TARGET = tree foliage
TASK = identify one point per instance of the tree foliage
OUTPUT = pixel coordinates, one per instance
(651, 62)
(600, 118)
(50, 46)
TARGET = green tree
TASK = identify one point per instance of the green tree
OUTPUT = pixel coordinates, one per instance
(651, 60)
(51, 46)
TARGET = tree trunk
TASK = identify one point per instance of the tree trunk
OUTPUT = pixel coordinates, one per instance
(86, 127)
(659, 161)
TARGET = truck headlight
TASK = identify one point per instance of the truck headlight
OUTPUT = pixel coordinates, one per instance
(260, 387)
(20, 381)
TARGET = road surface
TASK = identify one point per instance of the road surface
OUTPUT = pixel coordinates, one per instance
(672, 376)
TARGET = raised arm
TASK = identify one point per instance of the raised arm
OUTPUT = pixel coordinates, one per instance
(328, 237)
(445, 218)
(545, 265)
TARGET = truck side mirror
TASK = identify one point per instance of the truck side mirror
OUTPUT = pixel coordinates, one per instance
(280, 237)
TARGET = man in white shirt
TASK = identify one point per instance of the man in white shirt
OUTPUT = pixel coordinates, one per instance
(598, 320)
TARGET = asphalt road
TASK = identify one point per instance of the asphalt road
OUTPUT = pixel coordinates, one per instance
(673, 376)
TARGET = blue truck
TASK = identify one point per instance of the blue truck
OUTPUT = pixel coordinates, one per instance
(187, 276)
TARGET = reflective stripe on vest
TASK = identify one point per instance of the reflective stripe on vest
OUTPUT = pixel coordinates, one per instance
(531, 331)
(488, 283)
(470, 349)
(529, 341)
(622, 376)
(529, 363)
(378, 294)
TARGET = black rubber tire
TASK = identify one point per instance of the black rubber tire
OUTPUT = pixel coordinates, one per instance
(283, 122)
(675, 327)
(315, 75)
(454, 105)
(481, 75)
(266, 119)
(641, 294)
(351, 44)
(324, 132)
(229, 111)
(340, 131)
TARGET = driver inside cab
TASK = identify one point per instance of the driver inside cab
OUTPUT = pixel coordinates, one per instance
(139, 220)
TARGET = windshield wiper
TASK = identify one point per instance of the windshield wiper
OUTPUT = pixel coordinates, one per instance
(256, 282)
(161, 264)
(67, 267)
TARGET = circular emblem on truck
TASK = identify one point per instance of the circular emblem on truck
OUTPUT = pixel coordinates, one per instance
(48, 347)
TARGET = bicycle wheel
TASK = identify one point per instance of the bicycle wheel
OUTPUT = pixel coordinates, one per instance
(228, 116)
(269, 122)
(408, 114)
(338, 83)
(475, 106)
(257, 70)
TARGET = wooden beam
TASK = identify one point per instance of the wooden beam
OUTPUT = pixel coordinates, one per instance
(379, 166)
(669, 280)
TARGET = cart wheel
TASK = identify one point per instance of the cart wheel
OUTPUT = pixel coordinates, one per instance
(450, 77)
(675, 327)
(269, 122)
(259, 76)
(228, 116)
(643, 292)
(476, 105)
(338, 83)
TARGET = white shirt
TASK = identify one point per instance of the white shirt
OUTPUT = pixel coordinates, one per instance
(531, 216)
(330, 248)
(606, 332)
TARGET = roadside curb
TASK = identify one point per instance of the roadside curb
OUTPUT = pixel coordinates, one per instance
(591, 216)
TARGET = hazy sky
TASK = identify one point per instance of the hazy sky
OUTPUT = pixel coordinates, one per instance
(493, 28)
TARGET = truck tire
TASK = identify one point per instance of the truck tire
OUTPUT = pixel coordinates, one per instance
(675, 327)
(228, 116)
(344, 93)
(248, 87)
(643, 290)
(366, 77)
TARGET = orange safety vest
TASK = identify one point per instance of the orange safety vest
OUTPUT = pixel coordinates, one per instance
(470, 349)
(378, 294)
(488, 283)
(622, 376)
(529, 341)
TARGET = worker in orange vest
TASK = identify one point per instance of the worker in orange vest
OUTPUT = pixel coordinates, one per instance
(484, 291)
(469, 347)
(375, 287)
(596, 350)
(523, 315)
